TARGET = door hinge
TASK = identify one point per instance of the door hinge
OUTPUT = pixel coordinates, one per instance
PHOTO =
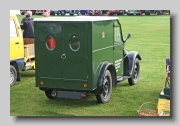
(87, 56)
(87, 76)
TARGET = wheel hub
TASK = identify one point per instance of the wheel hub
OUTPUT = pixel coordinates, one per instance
(105, 88)
(11, 76)
(135, 75)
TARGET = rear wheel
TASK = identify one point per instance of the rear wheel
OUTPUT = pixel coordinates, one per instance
(13, 75)
(107, 88)
(135, 74)
(48, 94)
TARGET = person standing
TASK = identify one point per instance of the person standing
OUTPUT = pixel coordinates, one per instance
(28, 27)
(27, 13)
(47, 13)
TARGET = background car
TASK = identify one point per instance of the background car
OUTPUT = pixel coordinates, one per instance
(158, 12)
(134, 12)
(96, 12)
(54, 12)
(83, 12)
(118, 12)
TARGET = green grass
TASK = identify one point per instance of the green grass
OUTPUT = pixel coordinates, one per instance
(150, 36)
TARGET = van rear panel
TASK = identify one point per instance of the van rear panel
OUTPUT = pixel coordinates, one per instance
(61, 51)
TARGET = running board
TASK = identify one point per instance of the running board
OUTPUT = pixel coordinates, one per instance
(121, 78)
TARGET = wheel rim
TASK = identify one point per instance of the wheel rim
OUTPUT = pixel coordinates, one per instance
(105, 88)
(136, 71)
(11, 76)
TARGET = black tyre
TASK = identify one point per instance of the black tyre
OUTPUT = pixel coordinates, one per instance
(135, 74)
(107, 88)
(13, 75)
(48, 94)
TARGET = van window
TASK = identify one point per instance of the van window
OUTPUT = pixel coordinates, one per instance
(117, 35)
(13, 32)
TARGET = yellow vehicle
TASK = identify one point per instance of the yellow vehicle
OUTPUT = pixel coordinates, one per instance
(21, 51)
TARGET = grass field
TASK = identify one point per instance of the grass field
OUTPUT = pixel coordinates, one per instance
(150, 36)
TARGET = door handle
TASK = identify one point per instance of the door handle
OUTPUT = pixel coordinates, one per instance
(63, 56)
(17, 43)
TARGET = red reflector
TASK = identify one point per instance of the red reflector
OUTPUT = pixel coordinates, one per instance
(51, 43)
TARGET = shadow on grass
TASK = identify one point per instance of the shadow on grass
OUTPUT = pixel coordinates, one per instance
(50, 113)
(28, 73)
(120, 84)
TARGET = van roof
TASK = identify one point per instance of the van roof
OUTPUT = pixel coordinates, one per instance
(77, 18)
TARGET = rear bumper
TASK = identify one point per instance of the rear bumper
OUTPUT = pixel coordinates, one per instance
(68, 94)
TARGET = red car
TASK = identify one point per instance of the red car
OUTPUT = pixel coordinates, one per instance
(24, 11)
(96, 12)
(118, 12)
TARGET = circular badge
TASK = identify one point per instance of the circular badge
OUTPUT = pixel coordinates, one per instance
(103, 34)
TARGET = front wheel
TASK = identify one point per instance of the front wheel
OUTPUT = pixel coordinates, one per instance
(107, 88)
(13, 75)
(135, 73)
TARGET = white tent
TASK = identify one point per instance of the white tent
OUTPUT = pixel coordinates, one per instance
(15, 12)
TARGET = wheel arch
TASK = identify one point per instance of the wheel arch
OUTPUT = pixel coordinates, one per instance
(129, 62)
(18, 63)
(13, 63)
(100, 74)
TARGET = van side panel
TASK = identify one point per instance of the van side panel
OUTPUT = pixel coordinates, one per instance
(102, 45)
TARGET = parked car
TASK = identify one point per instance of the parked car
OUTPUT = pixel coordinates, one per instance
(118, 12)
(83, 12)
(40, 12)
(72, 12)
(158, 12)
(24, 11)
(54, 12)
(63, 12)
(134, 12)
(96, 12)
(166, 11)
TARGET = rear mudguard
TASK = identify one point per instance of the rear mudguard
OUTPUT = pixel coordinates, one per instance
(100, 76)
(18, 63)
(129, 59)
